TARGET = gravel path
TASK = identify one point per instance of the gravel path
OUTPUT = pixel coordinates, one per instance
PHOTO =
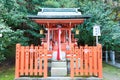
(110, 72)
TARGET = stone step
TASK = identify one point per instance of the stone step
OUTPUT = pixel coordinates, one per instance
(59, 64)
(58, 72)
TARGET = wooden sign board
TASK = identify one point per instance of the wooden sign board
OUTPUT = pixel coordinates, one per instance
(96, 31)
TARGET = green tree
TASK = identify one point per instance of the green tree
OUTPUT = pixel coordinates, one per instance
(17, 28)
(101, 14)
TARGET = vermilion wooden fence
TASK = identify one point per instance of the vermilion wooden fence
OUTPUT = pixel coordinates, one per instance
(31, 60)
(86, 61)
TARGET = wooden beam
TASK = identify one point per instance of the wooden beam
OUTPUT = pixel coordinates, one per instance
(57, 29)
(58, 21)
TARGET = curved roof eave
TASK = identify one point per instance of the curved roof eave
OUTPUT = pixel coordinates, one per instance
(58, 17)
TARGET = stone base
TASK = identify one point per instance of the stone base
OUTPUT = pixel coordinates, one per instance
(59, 69)
(59, 78)
(58, 72)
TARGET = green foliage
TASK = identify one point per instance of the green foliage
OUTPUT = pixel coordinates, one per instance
(51, 3)
(60, 3)
(9, 39)
(101, 14)
(16, 28)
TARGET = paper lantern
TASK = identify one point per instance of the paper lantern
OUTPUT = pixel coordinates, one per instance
(77, 31)
(41, 31)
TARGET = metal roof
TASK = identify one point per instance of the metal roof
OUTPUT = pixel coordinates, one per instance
(59, 9)
(58, 13)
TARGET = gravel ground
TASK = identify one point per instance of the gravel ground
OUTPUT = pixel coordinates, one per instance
(110, 72)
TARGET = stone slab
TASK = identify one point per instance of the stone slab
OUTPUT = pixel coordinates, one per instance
(62, 64)
(58, 72)
(59, 78)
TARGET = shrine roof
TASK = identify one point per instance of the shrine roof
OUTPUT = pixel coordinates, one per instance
(58, 13)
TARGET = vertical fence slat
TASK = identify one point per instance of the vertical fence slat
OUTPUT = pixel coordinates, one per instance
(86, 59)
(22, 61)
(45, 61)
(26, 60)
(36, 61)
(17, 71)
(76, 64)
(95, 61)
(81, 60)
(40, 60)
(90, 60)
(99, 46)
(45, 66)
(76, 60)
(72, 62)
(31, 59)
(72, 66)
(40, 66)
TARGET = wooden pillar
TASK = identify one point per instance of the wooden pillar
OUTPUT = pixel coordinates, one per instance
(48, 41)
(66, 35)
(70, 34)
(59, 44)
(48, 36)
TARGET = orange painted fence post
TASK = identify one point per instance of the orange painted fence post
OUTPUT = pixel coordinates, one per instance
(81, 60)
(72, 62)
(86, 52)
(40, 60)
(90, 61)
(95, 63)
(17, 65)
(36, 61)
(45, 61)
(22, 60)
(31, 59)
(26, 60)
(99, 48)
(77, 60)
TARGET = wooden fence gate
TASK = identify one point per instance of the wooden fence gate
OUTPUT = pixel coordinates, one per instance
(86, 61)
(31, 61)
